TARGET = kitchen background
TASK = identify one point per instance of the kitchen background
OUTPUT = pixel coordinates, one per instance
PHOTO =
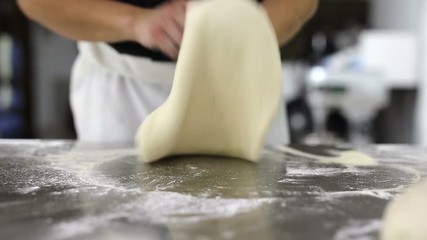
(356, 73)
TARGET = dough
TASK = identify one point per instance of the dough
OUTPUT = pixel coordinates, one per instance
(347, 158)
(406, 216)
(226, 89)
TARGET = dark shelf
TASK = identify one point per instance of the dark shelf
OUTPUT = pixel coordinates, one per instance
(7, 7)
(332, 16)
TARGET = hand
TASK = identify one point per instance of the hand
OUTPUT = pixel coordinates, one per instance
(162, 28)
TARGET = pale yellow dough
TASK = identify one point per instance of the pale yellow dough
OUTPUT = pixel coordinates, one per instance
(226, 89)
(406, 217)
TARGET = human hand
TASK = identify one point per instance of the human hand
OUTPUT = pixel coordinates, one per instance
(162, 28)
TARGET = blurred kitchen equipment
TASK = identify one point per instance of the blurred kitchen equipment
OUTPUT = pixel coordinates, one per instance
(359, 96)
(298, 112)
(357, 80)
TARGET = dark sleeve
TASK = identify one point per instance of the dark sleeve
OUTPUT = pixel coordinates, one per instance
(136, 49)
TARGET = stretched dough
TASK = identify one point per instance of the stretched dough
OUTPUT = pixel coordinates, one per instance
(405, 217)
(226, 89)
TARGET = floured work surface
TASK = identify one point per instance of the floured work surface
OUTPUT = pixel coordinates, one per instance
(56, 190)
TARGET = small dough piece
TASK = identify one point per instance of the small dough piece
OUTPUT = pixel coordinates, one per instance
(347, 158)
(226, 89)
(406, 216)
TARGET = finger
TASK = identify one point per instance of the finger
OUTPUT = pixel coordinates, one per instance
(173, 31)
(183, 5)
(168, 47)
(179, 11)
(155, 36)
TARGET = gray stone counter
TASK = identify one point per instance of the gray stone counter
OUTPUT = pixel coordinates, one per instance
(61, 190)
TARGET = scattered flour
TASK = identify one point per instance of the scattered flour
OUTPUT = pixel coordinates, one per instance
(157, 207)
(27, 190)
(359, 230)
(161, 208)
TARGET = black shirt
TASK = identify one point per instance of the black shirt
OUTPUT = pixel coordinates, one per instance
(134, 48)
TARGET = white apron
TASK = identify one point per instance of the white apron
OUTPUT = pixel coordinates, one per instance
(112, 94)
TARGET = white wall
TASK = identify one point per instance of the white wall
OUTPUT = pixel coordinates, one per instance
(408, 16)
(421, 123)
(396, 14)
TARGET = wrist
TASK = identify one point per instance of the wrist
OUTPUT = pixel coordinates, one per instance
(131, 25)
(135, 26)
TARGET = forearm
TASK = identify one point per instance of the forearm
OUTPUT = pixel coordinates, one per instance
(288, 16)
(90, 20)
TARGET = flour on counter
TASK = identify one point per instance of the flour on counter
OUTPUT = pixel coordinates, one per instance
(359, 230)
(27, 190)
(61, 193)
(161, 208)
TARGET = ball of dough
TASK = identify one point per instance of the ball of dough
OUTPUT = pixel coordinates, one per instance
(226, 89)
(406, 217)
